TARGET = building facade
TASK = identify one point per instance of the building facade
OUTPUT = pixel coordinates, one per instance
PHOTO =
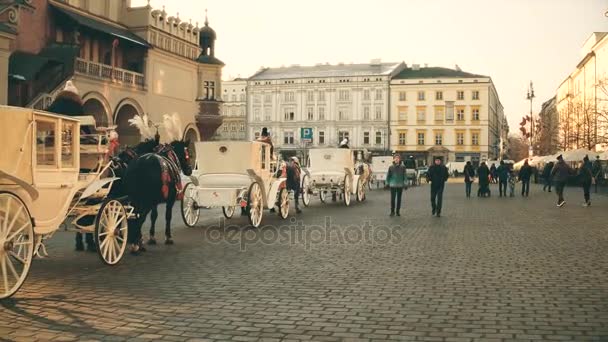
(582, 98)
(234, 112)
(446, 113)
(319, 106)
(124, 60)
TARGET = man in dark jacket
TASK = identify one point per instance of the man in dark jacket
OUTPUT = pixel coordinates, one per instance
(503, 178)
(396, 178)
(586, 176)
(524, 176)
(560, 174)
(483, 172)
(293, 180)
(437, 175)
(469, 176)
(547, 176)
(598, 173)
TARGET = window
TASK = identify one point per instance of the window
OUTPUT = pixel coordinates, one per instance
(343, 95)
(378, 94)
(321, 96)
(402, 96)
(475, 95)
(439, 111)
(475, 139)
(459, 114)
(321, 113)
(366, 96)
(256, 114)
(267, 98)
(449, 111)
(310, 114)
(366, 113)
(290, 96)
(420, 96)
(421, 138)
(420, 114)
(378, 115)
(459, 138)
(233, 127)
(256, 98)
(460, 95)
(402, 113)
(378, 137)
(365, 138)
(242, 98)
(288, 138)
(402, 138)
(342, 114)
(233, 98)
(209, 90)
(342, 135)
(289, 114)
(267, 114)
(438, 138)
(225, 128)
(438, 95)
(45, 143)
(67, 145)
(475, 114)
(310, 96)
(242, 127)
(321, 138)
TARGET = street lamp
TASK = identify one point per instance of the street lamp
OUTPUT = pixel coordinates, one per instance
(531, 97)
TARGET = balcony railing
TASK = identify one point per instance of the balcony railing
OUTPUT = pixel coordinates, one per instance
(107, 72)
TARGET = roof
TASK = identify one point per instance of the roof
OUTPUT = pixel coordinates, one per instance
(113, 29)
(320, 71)
(434, 72)
(25, 66)
(209, 60)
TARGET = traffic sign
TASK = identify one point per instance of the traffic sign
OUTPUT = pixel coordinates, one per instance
(306, 134)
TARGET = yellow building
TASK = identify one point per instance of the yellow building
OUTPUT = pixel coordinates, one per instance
(445, 113)
(124, 60)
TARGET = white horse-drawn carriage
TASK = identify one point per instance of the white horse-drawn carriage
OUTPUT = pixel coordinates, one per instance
(332, 171)
(41, 184)
(234, 174)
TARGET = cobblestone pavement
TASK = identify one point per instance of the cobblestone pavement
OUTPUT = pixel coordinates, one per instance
(496, 269)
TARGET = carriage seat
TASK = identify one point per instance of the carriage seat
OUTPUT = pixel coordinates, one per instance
(224, 181)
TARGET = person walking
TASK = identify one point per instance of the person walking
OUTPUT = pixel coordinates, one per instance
(585, 174)
(493, 174)
(293, 180)
(547, 176)
(438, 174)
(525, 173)
(483, 172)
(560, 174)
(503, 178)
(598, 173)
(469, 177)
(395, 178)
(512, 182)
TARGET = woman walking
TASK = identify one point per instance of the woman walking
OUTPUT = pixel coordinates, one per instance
(395, 179)
(586, 175)
(469, 177)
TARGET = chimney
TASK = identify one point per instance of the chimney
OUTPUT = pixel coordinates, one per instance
(415, 66)
(457, 68)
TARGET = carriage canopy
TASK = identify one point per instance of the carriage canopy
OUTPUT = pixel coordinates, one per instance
(331, 159)
(232, 157)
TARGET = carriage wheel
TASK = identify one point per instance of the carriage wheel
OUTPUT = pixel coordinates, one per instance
(255, 204)
(306, 191)
(111, 228)
(190, 209)
(16, 243)
(284, 203)
(228, 211)
(346, 190)
(322, 195)
(360, 190)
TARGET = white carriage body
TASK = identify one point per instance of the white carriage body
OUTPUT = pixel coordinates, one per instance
(227, 169)
(328, 168)
(380, 166)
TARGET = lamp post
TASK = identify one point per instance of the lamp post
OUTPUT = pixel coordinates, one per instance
(531, 97)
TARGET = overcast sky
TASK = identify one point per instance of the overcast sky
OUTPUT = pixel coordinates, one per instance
(513, 41)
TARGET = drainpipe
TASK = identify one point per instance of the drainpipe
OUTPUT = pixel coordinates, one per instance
(388, 117)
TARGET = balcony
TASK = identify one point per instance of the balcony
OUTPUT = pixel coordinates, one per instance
(107, 72)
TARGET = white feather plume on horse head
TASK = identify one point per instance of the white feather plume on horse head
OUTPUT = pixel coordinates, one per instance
(177, 126)
(142, 124)
(173, 126)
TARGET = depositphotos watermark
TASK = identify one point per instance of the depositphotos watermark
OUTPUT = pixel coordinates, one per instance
(295, 233)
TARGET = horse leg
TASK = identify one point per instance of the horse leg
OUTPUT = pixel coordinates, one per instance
(135, 238)
(79, 242)
(168, 215)
(153, 217)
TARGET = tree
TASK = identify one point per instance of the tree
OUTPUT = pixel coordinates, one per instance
(518, 147)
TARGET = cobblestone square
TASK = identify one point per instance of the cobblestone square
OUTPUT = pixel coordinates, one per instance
(494, 269)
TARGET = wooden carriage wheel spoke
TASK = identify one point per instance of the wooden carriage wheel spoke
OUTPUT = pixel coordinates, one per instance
(6, 218)
(12, 236)
(17, 257)
(12, 268)
(4, 274)
(17, 215)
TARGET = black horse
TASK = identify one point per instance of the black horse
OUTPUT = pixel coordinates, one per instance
(154, 178)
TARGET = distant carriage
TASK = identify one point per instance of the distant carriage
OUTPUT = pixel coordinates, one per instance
(42, 182)
(231, 175)
(380, 166)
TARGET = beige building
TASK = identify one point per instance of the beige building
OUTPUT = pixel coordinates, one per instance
(124, 60)
(234, 112)
(583, 94)
(445, 113)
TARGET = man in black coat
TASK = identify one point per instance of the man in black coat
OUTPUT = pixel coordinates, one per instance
(560, 173)
(503, 177)
(437, 175)
(293, 180)
(483, 172)
(469, 176)
(525, 173)
(547, 176)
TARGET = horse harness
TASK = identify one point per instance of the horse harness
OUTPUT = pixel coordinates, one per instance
(170, 171)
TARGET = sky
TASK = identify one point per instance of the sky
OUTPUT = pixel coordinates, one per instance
(512, 41)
